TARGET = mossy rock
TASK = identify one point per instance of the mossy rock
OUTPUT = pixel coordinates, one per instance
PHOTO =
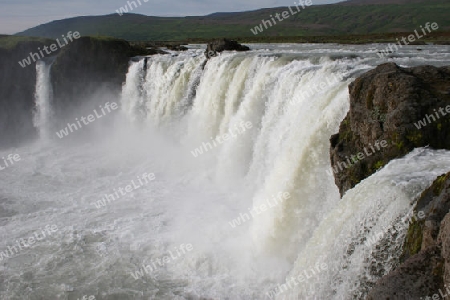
(439, 184)
(413, 241)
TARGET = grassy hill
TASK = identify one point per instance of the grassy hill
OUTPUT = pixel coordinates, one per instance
(347, 18)
(10, 41)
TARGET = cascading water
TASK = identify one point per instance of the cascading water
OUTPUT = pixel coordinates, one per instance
(225, 139)
(286, 151)
(43, 114)
(162, 90)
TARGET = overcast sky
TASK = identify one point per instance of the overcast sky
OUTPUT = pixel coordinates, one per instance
(18, 15)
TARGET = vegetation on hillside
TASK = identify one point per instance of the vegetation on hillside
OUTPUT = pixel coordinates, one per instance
(11, 41)
(323, 20)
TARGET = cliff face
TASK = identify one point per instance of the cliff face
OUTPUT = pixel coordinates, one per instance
(86, 65)
(17, 87)
(386, 106)
(79, 69)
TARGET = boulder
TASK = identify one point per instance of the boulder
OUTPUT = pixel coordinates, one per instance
(405, 107)
(176, 47)
(221, 45)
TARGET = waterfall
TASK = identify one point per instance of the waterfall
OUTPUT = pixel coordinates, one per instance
(158, 89)
(361, 239)
(42, 117)
(287, 148)
(243, 204)
(294, 104)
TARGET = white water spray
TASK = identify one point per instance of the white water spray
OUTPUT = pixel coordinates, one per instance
(42, 115)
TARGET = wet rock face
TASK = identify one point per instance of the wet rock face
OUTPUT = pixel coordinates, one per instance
(386, 104)
(426, 267)
(86, 65)
(414, 279)
(444, 242)
(218, 46)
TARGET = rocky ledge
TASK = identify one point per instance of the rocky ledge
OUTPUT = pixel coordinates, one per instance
(392, 111)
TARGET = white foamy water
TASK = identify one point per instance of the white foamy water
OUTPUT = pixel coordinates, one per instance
(170, 106)
(43, 97)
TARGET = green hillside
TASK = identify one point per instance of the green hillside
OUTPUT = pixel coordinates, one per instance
(321, 20)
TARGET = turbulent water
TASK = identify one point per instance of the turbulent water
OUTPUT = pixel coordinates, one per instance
(229, 194)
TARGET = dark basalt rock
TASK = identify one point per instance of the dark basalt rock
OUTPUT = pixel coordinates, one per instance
(218, 46)
(17, 87)
(88, 65)
(176, 47)
(413, 280)
(385, 104)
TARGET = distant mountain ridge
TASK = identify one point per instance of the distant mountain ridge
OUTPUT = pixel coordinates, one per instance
(345, 18)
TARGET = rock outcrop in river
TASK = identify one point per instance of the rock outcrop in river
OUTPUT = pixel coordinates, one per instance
(404, 107)
(218, 46)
